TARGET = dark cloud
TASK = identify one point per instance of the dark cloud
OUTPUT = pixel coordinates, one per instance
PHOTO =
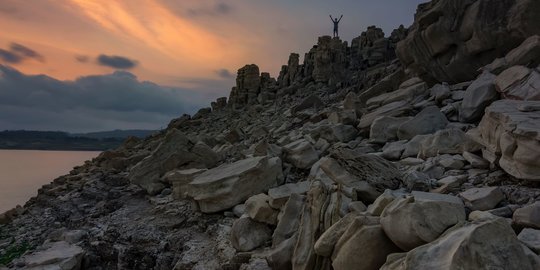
(224, 73)
(101, 102)
(218, 8)
(82, 58)
(26, 52)
(9, 57)
(18, 53)
(114, 61)
(223, 8)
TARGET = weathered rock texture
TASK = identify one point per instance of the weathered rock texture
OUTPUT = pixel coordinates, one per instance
(450, 40)
(350, 160)
(510, 132)
(477, 245)
(175, 151)
(228, 185)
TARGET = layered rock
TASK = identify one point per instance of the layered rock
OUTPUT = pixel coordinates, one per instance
(291, 72)
(450, 40)
(228, 185)
(252, 87)
(509, 132)
(175, 151)
(519, 83)
(482, 244)
(417, 220)
(372, 48)
(327, 60)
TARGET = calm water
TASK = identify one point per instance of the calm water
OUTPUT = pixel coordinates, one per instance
(23, 172)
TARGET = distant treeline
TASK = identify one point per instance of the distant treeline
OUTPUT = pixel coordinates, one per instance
(58, 140)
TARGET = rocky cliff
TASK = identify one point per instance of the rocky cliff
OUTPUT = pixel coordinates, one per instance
(419, 150)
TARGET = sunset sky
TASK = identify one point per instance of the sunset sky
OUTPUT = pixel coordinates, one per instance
(136, 64)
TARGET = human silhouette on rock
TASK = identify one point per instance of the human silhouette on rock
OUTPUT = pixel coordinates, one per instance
(336, 25)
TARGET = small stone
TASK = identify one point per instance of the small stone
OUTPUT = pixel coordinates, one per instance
(301, 154)
(411, 161)
(531, 238)
(476, 161)
(450, 163)
(280, 195)
(166, 192)
(239, 210)
(258, 209)
(482, 198)
(528, 216)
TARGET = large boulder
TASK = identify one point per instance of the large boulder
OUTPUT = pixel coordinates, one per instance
(428, 121)
(280, 195)
(337, 133)
(55, 255)
(175, 151)
(179, 179)
(528, 53)
(408, 94)
(417, 220)
(326, 242)
(366, 175)
(482, 199)
(301, 154)
(258, 209)
(531, 238)
(247, 234)
(394, 109)
(450, 40)
(481, 244)
(510, 134)
(447, 141)
(230, 184)
(363, 246)
(289, 219)
(385, 128)
(528, 216)
(519, 83)
(480, 94)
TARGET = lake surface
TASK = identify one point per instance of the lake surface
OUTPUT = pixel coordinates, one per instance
(23, 172)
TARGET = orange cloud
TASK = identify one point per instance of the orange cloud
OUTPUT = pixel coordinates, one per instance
(151, 24)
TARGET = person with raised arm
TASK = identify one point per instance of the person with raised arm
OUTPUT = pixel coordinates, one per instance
(336, 25)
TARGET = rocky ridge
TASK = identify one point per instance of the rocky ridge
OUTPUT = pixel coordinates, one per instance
(352, 159)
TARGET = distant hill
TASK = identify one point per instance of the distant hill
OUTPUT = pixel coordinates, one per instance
(58, 140)
(140, 133)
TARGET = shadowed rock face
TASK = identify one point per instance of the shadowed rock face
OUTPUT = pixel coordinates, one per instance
(450, 40)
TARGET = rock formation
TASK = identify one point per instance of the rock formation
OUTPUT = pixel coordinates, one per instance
(351, 159)
(450, 40)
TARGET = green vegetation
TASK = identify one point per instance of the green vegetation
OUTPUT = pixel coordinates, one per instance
(12, 252)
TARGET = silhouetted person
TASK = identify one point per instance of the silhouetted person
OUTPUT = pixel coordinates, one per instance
(336, 25)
